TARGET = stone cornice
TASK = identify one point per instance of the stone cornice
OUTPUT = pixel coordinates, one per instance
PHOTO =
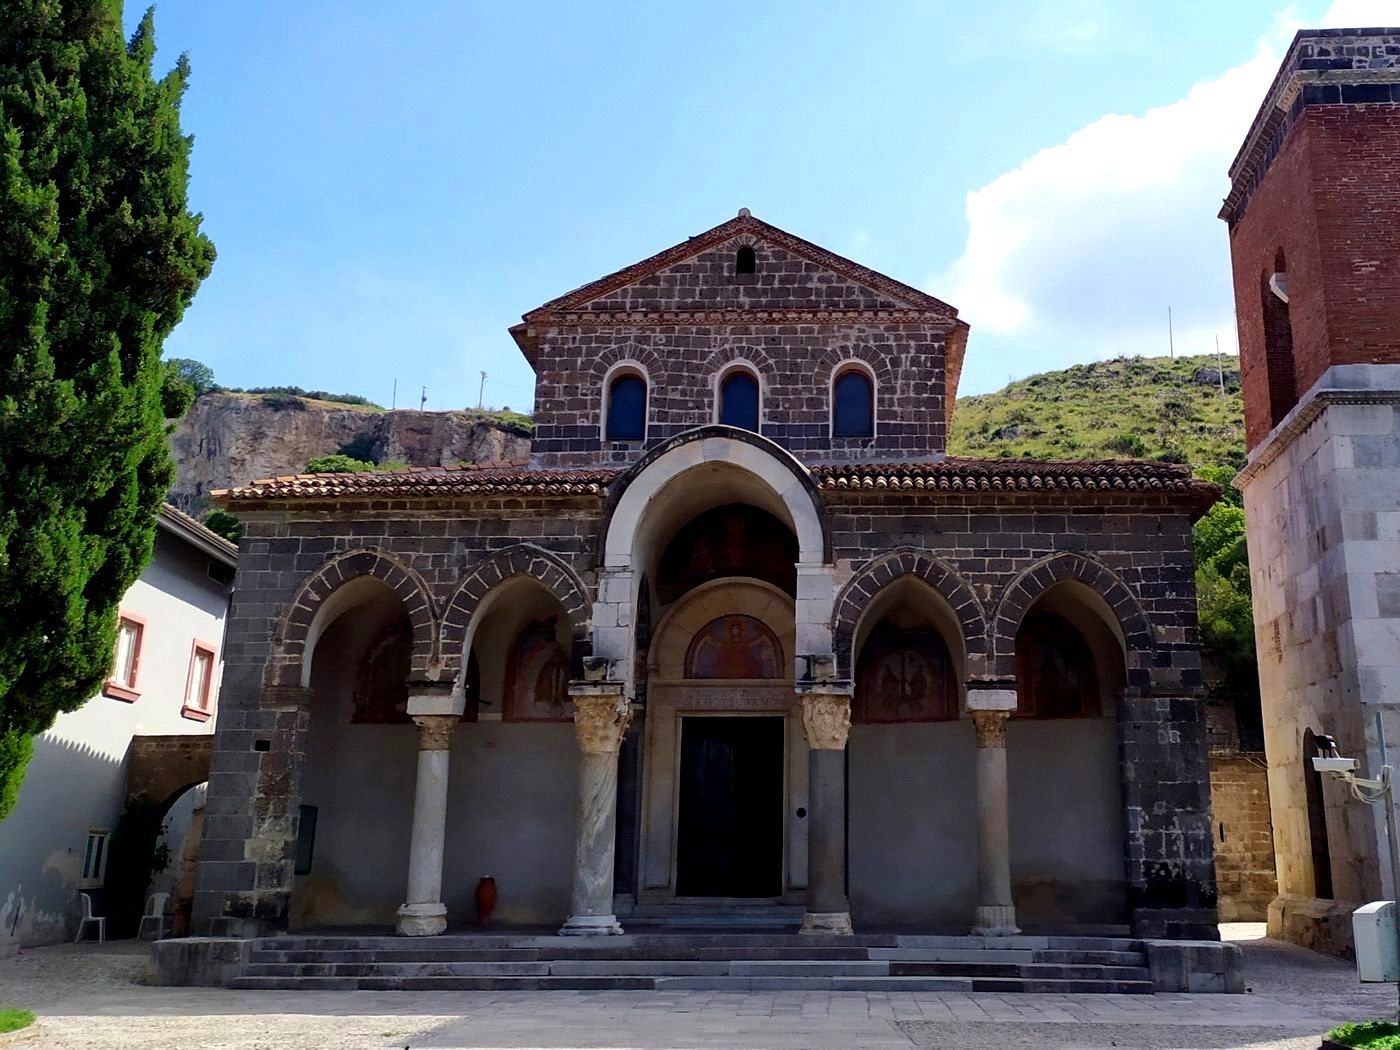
(1305, 413)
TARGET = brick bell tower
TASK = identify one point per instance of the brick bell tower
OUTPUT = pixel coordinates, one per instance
(1314, 217)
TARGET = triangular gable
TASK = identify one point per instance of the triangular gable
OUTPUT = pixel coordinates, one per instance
(885, 293)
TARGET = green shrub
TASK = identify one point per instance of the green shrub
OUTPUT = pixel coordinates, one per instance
(1368, 1035)
(338, 463)
(12, 1020)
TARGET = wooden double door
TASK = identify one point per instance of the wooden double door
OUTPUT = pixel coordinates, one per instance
(730, 811)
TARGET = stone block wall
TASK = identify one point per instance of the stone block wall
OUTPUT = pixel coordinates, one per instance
(1244, 839)
(1139, 555)
(795, 364)
(251, 817)
(1134, 549)
(1323, 501)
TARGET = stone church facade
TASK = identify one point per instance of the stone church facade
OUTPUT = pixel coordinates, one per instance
(742, 639)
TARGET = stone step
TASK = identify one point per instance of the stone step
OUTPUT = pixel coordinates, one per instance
(1019, 942)
(408, 955)
(1029, 971)
(809, 968)
(446, 984)
(969, 955)
(815, 984)
(1092, 958)
(399, 969)
(1047, 986)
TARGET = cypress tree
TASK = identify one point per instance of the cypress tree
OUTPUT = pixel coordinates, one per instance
(99, 256)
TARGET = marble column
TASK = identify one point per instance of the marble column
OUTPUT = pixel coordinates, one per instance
(601, 714)
(424, 914)
(826, 720)
(996, 912)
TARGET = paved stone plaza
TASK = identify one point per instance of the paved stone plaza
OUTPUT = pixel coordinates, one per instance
(92, 997)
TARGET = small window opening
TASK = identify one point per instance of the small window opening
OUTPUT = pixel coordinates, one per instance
(1278, 341)
(853, 405)
(745, 261)
(738, 401)
(627, 408)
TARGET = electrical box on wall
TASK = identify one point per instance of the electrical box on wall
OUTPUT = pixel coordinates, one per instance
(1377, 955)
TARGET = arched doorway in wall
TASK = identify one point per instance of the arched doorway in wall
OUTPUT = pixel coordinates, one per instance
(720, 726)
(1067, 830)
(910, 763)
(513, 790)
(1319, 850)
(361, 758)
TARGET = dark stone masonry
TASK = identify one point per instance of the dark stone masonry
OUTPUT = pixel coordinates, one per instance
(1060, 595)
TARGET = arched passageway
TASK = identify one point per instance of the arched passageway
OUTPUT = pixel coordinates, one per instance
(1066, 800)
(910, 762)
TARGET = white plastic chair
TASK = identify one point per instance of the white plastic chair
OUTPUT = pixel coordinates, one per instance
(155, 912)
(88, 917)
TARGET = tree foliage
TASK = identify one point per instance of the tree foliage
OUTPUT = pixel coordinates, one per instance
(99, 256)
(197, 374)
(339, 463)
(225, 524)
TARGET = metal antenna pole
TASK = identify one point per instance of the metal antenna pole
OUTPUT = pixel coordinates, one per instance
(1171, 343)
(481, 393)
(422, 401)
(394, 400)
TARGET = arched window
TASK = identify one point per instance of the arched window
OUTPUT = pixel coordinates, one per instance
(738, 400)
(627, 408)
(1278, 341)
(853, 405)
(745, 261)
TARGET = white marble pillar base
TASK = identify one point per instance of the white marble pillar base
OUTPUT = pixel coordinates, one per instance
(422, 920)
(591, 926)
(831, 923)
(995, 920)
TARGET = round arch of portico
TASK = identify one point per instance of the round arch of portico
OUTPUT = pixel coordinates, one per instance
(471, 599)
(651, 500)
(304, 616)
(1123, 609)
(910, 562)
(752, 454)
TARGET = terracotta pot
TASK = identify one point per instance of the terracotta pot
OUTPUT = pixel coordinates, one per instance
(485, 898)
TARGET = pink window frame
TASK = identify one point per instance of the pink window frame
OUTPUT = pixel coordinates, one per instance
(206, 694)
(127, 691)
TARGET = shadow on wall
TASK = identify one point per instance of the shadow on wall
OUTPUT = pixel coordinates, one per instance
(69, 789)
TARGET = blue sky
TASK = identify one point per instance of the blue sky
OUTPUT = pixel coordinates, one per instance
(390, 189)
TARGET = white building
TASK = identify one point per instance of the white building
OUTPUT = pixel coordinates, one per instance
(168, 661)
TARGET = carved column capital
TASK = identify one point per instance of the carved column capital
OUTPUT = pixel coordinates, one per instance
(435, 731)
(826, 720)
(991, 727)
(600, 719)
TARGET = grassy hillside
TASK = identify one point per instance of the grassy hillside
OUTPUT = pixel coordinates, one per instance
(1150, 407)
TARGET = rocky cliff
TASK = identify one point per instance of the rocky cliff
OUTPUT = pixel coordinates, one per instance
(231, 439)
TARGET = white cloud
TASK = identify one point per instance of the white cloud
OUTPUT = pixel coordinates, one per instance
(1077, 253)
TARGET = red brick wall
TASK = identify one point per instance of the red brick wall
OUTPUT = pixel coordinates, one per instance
(1329, 201)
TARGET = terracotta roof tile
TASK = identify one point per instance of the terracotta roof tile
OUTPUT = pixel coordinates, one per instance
(968, 474)
(954, 474)
(421, 482)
